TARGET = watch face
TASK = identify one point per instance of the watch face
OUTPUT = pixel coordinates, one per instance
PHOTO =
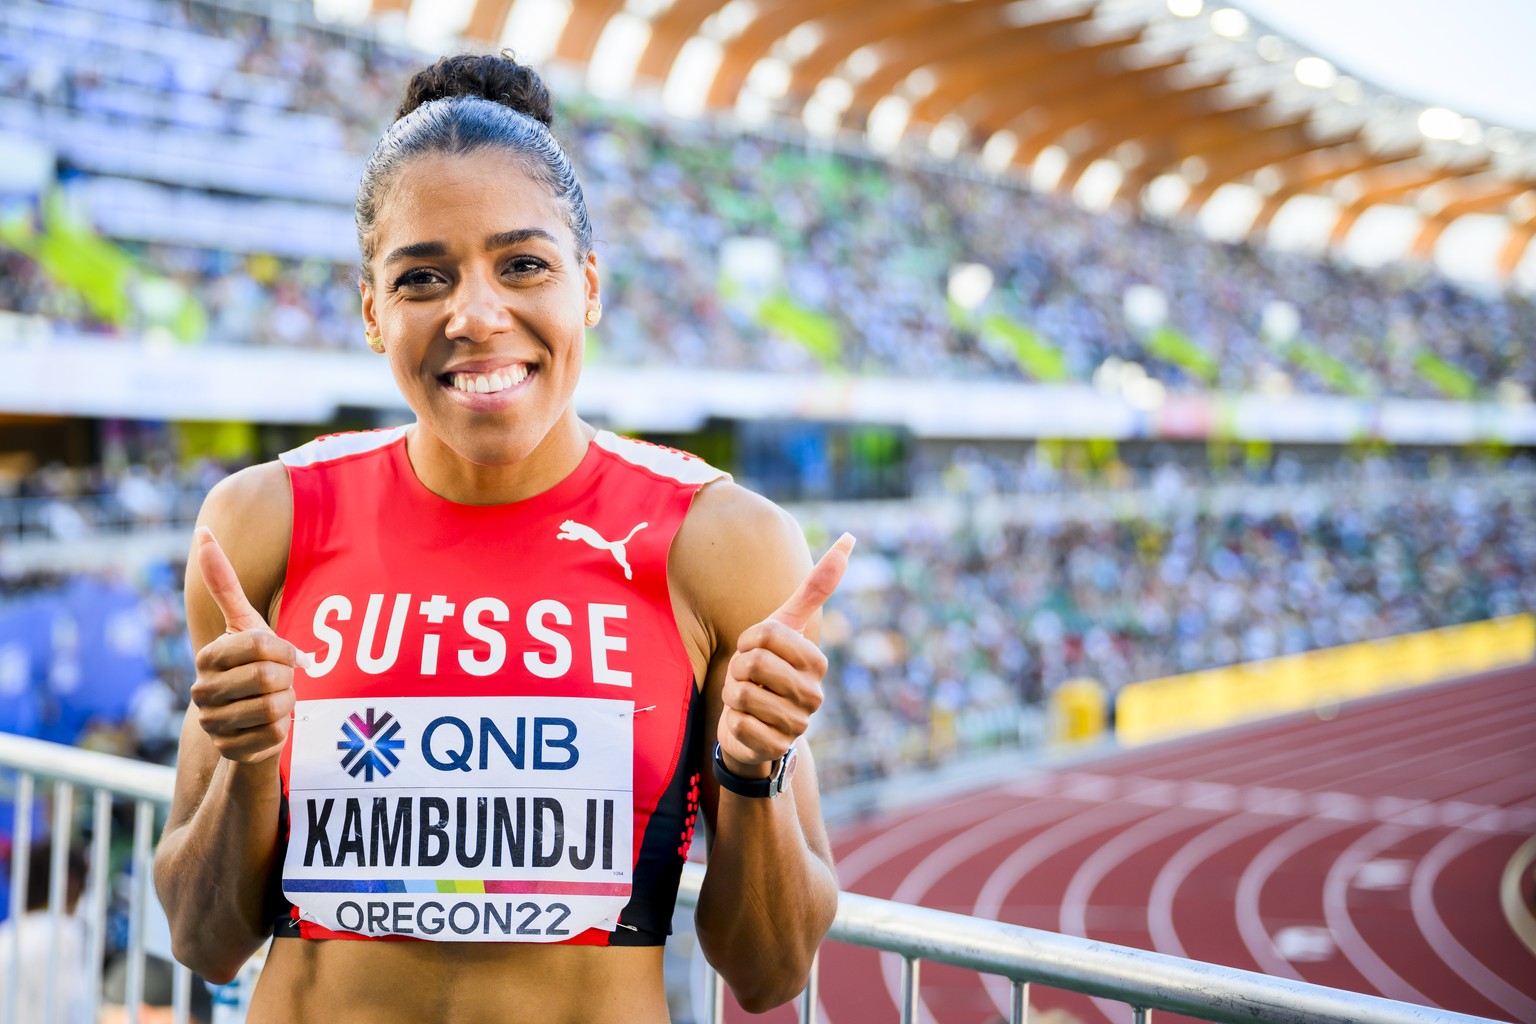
(791, 759)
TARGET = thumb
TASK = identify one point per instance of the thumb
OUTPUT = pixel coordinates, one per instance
(222, 583)
(817, 586)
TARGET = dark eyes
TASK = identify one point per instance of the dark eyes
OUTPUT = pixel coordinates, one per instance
(422, 278)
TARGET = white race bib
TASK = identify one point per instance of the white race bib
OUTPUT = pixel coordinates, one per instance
(465, 819)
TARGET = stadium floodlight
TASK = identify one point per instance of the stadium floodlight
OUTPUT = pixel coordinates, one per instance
(1440, 123)
(834, 93)
(887, 123)
(1045, 174)
(731, 20)
(970, 284)
(769, 77)
(861, 63)
(1229, 22)
(1165, 195)
(1348, 90)
(1316, 72)
(1186, 8)
(919, 83)
(1271, 48)
(947, 137)
(997, 154)
(1098, 185)
(802, 41)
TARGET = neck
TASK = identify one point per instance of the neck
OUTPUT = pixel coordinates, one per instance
(449, 475)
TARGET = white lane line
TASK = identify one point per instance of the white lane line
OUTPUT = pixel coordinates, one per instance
(1073, 917)
(1336, 913)
(907, 833)
(1178, 868)
(1250, 885)
(1461, 960)
(1336, 886)
(940, 862)
(1001, 882)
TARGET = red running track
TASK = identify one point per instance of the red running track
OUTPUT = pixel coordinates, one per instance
(1364, 852)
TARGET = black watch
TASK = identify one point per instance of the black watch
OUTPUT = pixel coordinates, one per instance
(771, 786)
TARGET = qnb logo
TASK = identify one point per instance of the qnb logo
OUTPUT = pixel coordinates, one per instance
(370, 745)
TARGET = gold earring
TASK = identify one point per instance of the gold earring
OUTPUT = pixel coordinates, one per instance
(594, 315)
(375, 341)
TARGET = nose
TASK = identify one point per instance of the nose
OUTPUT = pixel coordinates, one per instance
(478, 309)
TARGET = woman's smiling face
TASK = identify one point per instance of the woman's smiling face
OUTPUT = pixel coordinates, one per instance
(481, 302)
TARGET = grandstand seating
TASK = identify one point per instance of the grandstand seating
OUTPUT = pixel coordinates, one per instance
(229, 151)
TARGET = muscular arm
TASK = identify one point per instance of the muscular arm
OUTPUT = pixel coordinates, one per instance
(770, 891)
(220, 843)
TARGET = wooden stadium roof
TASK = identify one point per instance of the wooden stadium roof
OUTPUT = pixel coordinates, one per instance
(1184, 95)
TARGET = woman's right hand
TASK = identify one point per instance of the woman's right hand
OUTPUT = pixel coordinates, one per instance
(244, 688)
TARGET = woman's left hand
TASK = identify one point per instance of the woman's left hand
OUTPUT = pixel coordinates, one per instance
(773, 682)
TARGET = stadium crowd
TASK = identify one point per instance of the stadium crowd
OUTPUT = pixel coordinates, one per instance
(950, 628)
(864, 247)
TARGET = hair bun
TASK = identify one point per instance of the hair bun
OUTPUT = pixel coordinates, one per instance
(493, 76)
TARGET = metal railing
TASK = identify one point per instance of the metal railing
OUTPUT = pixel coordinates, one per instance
(1144, 981)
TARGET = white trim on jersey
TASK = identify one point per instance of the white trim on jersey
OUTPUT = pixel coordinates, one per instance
(337, 446)
(685, 469)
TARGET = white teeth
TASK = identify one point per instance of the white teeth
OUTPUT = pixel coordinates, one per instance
(489, 383)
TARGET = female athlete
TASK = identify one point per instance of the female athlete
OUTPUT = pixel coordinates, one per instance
(458, 773)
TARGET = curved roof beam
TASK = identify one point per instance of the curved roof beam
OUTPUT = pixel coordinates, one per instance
(1435, 224)
(1265, 147)
(1068, 91)
(755, 42)
(669, 32)
(1311, 171)
(1397, 186)
(579, 37)
(487, 20)
(1178, 113)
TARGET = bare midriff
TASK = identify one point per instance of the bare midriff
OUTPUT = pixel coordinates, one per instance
(458, 983)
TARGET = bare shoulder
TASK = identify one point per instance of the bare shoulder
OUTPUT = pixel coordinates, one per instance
(737, 557)
(251, 514)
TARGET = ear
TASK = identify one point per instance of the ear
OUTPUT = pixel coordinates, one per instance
(370, 320)
(594, 281)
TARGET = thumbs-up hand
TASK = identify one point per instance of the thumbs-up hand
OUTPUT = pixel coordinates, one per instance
(244, 689)
(773, 682)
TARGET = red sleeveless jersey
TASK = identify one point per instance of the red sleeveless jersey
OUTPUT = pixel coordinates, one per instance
(496, 725)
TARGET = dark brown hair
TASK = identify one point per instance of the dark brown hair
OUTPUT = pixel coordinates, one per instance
(464, 104)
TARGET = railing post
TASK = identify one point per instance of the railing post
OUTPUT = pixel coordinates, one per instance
(1141, 1015)
(1018, 1009)
(143, 824)
(58, 877)
(714, 994)
(21, 845)
(809, 996)
(101, 864)
(909, 967)
(181, 993)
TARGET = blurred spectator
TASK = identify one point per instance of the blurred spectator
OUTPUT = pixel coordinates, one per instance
(667, 197)
(35, 935)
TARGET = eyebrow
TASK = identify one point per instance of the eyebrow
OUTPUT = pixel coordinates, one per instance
(500, 240)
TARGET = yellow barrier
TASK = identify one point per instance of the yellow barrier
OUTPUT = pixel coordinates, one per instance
(1079, 709)
(1160, 708)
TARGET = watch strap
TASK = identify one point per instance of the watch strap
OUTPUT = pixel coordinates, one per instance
(770, 786)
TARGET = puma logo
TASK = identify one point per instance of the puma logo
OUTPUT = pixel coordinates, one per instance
(572, 530)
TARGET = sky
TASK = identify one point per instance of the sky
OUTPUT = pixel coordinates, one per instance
(1473, 56)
